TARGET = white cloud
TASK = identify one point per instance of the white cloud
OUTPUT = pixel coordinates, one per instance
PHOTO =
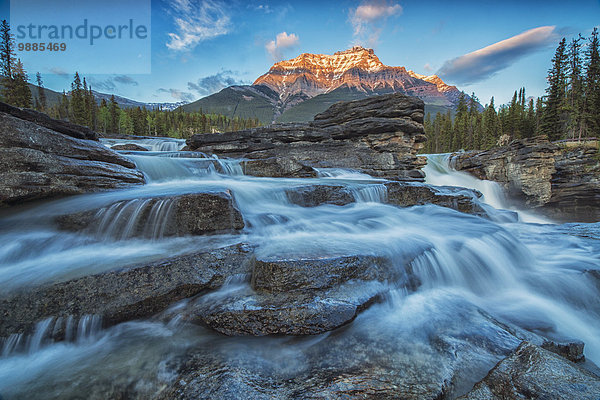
(282, 42)
(368, 18)
(427, 67)
(486, 62)
(196, 21)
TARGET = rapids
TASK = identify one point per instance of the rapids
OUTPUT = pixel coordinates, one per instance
(515, 266)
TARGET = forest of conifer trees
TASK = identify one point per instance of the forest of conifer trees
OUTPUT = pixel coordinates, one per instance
(569, 110)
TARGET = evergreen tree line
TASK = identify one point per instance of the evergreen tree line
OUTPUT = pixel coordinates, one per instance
(569, 110)
(108, 117)
(80, 105)
(13, 77)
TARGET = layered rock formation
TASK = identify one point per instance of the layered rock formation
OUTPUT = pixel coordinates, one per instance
(563, 183)
(402, 194)
(37, 162)
(524, 167)
(378, 135)
(576, 185)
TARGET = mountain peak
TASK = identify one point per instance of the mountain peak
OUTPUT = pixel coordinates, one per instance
(355, 49)
(358, 69)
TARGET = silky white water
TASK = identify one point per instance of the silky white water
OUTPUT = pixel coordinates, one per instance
(531, 275)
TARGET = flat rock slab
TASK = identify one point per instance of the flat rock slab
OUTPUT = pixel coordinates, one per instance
(57, 125)
(188, 214)
(129, 146)
(411, 194)
(129, 293)
(316, 195)
(245, 312)
(402, 194)
(299, 297)
(532, 372)
(304, 275)
(277, 167)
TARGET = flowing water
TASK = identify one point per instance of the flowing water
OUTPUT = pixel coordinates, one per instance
(515, 266)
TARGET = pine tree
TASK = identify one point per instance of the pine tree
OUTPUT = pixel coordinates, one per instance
(41, 102)
(78, 111)
(489, 126)
(7, 62)
(63, 108)
(20, 93)
(575, 96)
(553, 122)
(114, 114)
(460, 123)
(592, 86)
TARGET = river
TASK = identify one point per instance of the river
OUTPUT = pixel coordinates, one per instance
(515, 266)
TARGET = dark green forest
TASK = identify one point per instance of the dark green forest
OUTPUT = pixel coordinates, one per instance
(570, 108)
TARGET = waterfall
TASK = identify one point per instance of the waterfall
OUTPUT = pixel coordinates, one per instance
(46, 331)
(152, 144)
(439, 172)
(147, 218)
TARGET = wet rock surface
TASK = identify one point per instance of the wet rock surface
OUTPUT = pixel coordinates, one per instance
(277, 167)
(297, 297)
(402, 194)
(316, 195)
(532, 372)
(372, 358)
(411, 194)
(247, 312)
(571, 350)
(379, 135)
(37, 162)
(189, 214)
(129, 293)
(129, 146)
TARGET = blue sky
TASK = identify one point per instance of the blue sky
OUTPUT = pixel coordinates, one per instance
(194, 48)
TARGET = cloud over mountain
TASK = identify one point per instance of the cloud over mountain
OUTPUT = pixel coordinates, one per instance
(282, 42)
(368, 18)
(486, 62)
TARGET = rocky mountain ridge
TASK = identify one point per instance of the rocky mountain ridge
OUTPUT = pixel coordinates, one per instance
(316, 81)
(309, 75)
